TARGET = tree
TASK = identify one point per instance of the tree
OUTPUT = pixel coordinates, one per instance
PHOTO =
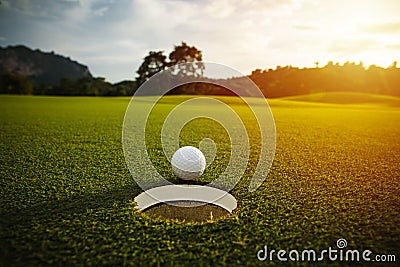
(152, 64)
(187, 54)
(124, 88)
(13, 83)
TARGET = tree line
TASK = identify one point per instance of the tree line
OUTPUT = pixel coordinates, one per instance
(278, 82)
(12, 83)
(350, 77)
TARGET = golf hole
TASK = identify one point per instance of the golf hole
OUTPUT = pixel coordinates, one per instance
(187, 211)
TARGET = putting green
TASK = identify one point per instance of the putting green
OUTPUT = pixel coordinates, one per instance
(66, 195)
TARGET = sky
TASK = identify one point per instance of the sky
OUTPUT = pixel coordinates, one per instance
(112, 37)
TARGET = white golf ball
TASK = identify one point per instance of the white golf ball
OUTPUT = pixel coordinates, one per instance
(188, 163)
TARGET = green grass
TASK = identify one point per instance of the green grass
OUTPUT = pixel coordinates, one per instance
(66, 194)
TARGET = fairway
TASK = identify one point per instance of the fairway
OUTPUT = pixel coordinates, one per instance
(66, 195)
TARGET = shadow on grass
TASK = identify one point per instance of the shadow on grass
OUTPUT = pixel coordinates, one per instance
(74, 205)
(18, 227)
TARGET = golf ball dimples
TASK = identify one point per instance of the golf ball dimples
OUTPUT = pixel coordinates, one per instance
(188, 163)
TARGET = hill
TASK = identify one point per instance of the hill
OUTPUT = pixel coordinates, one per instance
(346, 98)
(41, 67)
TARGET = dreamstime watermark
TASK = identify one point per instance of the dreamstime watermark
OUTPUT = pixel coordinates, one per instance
(332, 254)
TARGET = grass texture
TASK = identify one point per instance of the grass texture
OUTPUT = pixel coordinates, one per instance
(66, 195)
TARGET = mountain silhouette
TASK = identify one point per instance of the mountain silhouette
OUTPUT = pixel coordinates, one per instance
(41, 67)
